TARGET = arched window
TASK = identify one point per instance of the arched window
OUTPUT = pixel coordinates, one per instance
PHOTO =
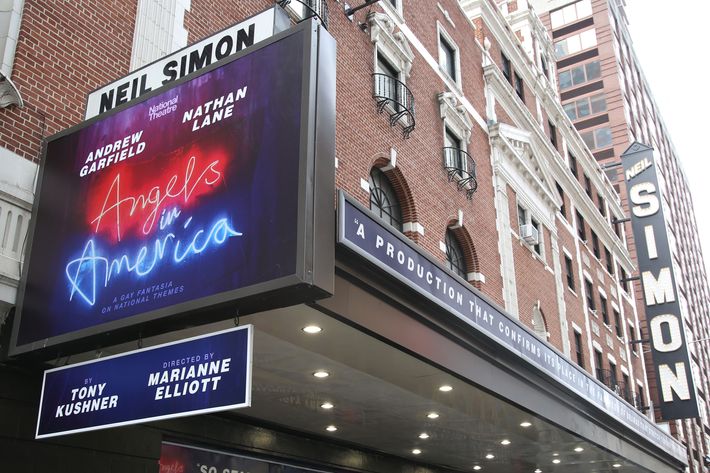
(539, 325)
(454, 254)
(383, 200)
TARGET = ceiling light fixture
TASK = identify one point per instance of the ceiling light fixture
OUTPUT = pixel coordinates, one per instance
(445, 388)
(432, 415)
(477, 467)
(538, 470)
(312, 329)
(505, 442)
(326, 405)
(616, 465)
(331, 428)
(555, 454)
(416, 451)
(525, 424)
(423, 436)
(321, 374)
(490, 456)
(578, 449)
(556, 461)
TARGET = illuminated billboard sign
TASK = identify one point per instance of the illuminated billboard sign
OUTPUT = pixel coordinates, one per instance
(210, 195)
(187, 60)
(676, 391)
(209, 373)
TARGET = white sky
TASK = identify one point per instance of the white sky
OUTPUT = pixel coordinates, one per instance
(670, 39)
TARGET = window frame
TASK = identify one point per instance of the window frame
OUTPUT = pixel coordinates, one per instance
(445, 41)
(589, 296)
(377, 190)
(454, 249)
(569, 272)
(578, 348)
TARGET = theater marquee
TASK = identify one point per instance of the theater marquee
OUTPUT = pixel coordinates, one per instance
(209, 196)
(676, 392)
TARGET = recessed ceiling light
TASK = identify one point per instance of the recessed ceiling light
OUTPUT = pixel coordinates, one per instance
(616, 465)
(490, 456)
(556, 461)
(578, 449)
(416, 451)
(312, 329)
(525, 424)
(555, 454)
(477, 467)
(538, 470)
(331, 428)
(445, 388)
(432, 415)
(326, 405)
(505, 442)
(423, 435)
(321, 374)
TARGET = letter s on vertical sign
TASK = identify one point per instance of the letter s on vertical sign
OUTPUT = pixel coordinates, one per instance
(644, 194)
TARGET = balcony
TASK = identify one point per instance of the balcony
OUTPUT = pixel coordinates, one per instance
(392, 95)
(308, 8)
(460, 167)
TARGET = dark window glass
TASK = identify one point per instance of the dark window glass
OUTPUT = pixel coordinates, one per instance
(506, 67)
(593, 70)
(581, 230)
(453, 141)
(617, 324)
(641, 398)
(565, 80)
(448, 57)
(573, 165)
(588, 185)
(602, 208)
(604, 309)
(609, 260)
(599, 361)
(553, 134)
(589, 289)
(583, 109)
(613, 379)
(563, 208)
(569, 272)
(454, 255)
(595, 245)
(383, 200)
(519, 87)
(578, 76)
(388, 87)
(624, 283)
(536, 225)
(578, 349)
(632, 334)
(522, 216)
(625, 387)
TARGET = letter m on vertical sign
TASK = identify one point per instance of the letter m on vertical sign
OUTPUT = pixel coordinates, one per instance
(674, 380)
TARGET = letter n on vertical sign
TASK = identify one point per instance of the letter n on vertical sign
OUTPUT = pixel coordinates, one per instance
(674, 380)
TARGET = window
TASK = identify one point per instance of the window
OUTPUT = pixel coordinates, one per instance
(383, 200)
(447, 58)
(588, 186)
(578, 350)
(595, 245)
(609, 260)
(580, 74)
(553, 134)
(602, 207)
(570, 13)
(453, 143)
(522, 216)
(575, 43)
(536, 225)
(599, 138)
(625, 390)
(599, 361)
(519, 86)
(585, 107)
(589, 289)
(604, 309)
(506, 67)
(387, 88)
(635, 336)
(617, 324)
(581, 230)
(539, 324)
(624, 282)
(573, 165)
(613, 380)
(563, 208)
(160, 30)
(454, 254)
(569, 272)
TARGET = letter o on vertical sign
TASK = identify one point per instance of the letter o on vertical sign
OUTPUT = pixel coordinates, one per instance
(676, 340)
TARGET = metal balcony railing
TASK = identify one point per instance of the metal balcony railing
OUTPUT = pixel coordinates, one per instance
(460, 167)
(392, 93)
(311, 8)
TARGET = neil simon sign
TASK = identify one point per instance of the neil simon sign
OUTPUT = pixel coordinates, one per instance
(194, 376)
(209, 193)
(676, 390)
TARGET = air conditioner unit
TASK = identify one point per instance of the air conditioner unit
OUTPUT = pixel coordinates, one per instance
(529, 234)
